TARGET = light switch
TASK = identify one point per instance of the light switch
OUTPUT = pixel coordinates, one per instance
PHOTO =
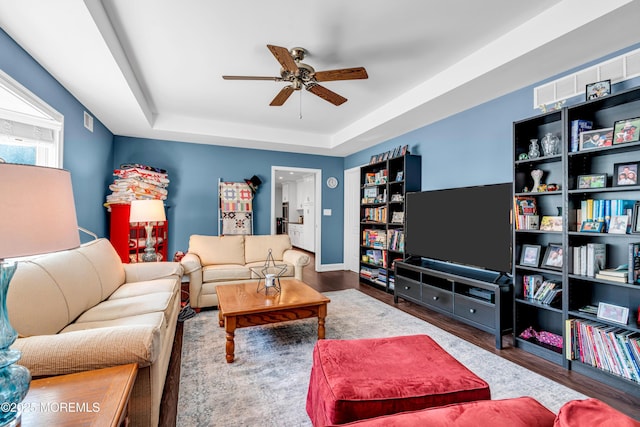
(326, 212)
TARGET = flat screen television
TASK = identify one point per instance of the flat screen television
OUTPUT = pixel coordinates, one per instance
(468, 225)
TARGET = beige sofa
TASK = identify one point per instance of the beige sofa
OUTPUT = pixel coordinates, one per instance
(83, 309)
(213, 261)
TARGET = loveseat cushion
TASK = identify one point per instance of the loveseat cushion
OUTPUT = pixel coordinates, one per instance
(131, 306)
(219, 273)
(218, 249)
(592, 412)
(516, 412)
(257, 247)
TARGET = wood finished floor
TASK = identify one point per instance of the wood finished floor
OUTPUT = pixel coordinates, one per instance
(339, 280)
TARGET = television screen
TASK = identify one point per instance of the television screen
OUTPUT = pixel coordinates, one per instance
(468, 225)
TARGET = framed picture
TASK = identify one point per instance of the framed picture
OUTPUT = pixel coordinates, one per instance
(627, 130)
(635, 221)
(592, 226)
(613, 313)
(625, 173)
(598, 89)
(530, 256)
(551, 223)
(553, 257)
(590, 139)
(618, 224)
(373, 159)
(399, 175)
(405, 150)
(598, 180)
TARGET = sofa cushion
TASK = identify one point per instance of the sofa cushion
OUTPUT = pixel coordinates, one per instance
(143, 288)
(155, 320)
(592, 412)
(218, 273)
(122, 307)
(218, 249)
(257, 247)
(107, 264)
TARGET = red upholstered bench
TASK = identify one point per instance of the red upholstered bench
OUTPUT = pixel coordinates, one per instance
(517, 412)
(365, 378)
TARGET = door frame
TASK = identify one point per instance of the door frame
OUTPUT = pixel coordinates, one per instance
(317, 205)
(351, 179)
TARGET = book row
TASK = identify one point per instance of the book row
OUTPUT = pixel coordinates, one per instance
(535, 288)
(376, 214)
(391, 239)
(614, 214)
(376, 178)
(591, 260)
(609, 348)
(376, 257)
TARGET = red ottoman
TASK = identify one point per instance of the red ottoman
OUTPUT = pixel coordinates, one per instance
(357, 379)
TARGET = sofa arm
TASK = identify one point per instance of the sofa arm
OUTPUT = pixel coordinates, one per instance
(141, 271)
(65, 353)
(190, 263)
(298, 258)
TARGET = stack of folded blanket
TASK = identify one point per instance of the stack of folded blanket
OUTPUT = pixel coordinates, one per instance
(138, 182)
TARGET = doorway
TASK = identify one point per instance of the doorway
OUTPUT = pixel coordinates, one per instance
(304, 207)
(352, 219)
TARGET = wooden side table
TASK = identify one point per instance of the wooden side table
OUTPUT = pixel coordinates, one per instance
(96, 398)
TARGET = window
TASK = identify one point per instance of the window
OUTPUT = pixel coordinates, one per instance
(31, 132)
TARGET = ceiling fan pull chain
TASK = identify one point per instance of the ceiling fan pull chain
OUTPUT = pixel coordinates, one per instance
(300, 116)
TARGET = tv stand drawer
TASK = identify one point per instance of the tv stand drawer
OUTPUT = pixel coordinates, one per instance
(476, 311)
(438, 298)
(407, 288)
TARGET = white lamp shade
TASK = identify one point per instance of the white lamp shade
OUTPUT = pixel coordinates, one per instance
(37, 211)
(147, 211)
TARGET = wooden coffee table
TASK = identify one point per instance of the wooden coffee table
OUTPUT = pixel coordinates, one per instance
(240, 305)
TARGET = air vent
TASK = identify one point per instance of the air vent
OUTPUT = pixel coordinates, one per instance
(88, 121)
(620, 68)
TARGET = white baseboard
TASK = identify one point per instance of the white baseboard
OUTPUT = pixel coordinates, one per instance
(330, 267)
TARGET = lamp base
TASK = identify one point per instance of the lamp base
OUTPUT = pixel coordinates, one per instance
(14, 379)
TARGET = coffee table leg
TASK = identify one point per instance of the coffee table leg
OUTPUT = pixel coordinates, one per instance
(220, 318)
(322, 314)
(230, 328)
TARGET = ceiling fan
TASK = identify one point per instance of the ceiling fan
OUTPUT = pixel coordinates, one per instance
(301, 75)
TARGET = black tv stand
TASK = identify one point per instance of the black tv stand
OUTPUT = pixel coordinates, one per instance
(479, 298)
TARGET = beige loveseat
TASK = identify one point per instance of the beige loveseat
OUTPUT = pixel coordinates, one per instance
(213, 261)
(83, 309)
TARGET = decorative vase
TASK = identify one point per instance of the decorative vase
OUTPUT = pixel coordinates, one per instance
(534, 150)
(550, 145)
(536, 174)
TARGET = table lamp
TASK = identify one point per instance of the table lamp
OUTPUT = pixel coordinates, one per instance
(37, 215)
(148, 211)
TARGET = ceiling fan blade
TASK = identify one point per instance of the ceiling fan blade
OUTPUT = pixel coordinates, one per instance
(275, 79)
(342, 74)
(282, 96)
(326, 94)
(284, 58)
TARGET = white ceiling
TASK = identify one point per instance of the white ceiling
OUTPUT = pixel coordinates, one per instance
(152, 68)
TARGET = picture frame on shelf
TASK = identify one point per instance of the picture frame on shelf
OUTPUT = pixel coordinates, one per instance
(627, 130)
(635, 219)
(618, 224)
(399, 175)
(551, 223)
(590, 139)
(530, 256)
(596, 180)
(598, 89)
(373, 159)
(613, 313)
(625, 174)
(591, 226)
(405, 150)
(397, 217)
(553, 257)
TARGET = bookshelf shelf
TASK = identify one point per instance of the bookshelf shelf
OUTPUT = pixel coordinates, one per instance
(383, 201)
(576, 205)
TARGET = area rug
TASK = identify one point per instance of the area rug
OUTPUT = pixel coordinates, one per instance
(267, 383)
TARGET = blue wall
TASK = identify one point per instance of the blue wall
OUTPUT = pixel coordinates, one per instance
(88, 156)
(194, 170)
(474, 147)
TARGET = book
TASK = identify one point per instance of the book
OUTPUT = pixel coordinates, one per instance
(577, 126)
(596, 258)
(633, 266)
(619, 271)
(620, 279)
